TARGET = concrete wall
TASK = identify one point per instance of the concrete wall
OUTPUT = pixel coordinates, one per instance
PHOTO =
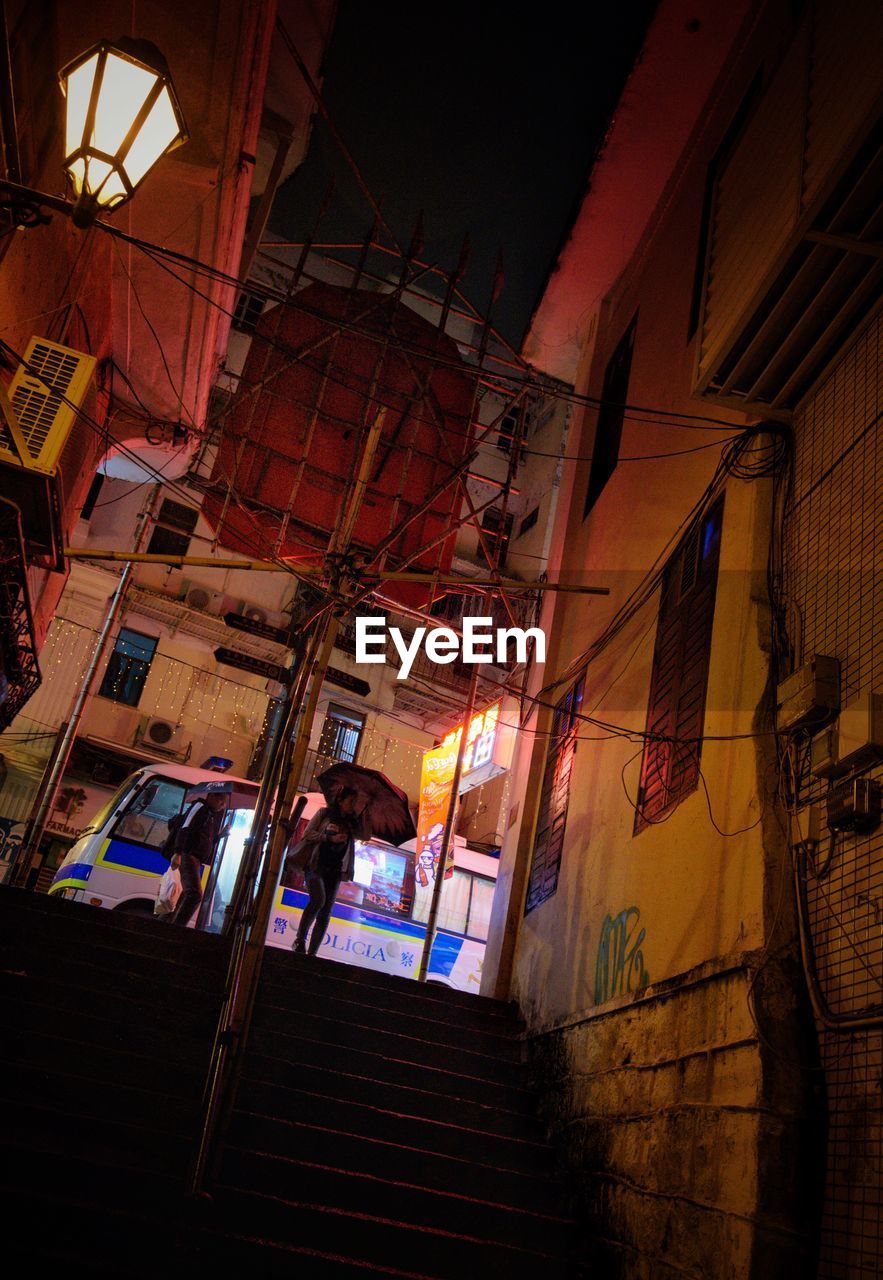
(660, 981)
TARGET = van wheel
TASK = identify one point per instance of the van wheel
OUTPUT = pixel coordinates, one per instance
(136, 907)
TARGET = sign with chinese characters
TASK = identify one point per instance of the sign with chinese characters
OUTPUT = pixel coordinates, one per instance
(481, 739)
(436, 780)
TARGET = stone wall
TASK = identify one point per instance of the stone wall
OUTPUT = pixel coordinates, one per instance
(686, 1138)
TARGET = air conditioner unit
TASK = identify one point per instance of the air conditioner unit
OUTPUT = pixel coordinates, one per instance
(204, 599)
(44, 397)
(254, 614)
(163, 735)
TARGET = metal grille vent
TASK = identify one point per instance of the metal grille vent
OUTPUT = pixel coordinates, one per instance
(45, 395)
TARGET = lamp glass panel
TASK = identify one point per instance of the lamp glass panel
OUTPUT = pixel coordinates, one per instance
(103, 181)
(124, 88)
(158, 132)
(78, 90)
(77, 172)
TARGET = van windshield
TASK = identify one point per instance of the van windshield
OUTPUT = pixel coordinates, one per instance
(146, 818)
(107, 809)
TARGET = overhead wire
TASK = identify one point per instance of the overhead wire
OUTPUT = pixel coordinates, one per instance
(538, 383)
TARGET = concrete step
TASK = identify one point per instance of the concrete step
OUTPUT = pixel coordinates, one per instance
(56, 1126)
(278, 961)
(169, 1042)
(152, 1007)
(228, 1253)
(271, 1075)
(106, 1095)
(31, 1048)
(107, 967)
(377, 1240)
(271, 1054)
(449, 1136)
(54, 1232)
(382, 1193)
(418, 1022)
(60, 923)
(311, 1138)
(24, 1166)
(284, 973)
(357, 1037)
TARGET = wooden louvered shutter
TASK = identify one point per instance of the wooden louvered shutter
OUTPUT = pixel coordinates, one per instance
(676, 711)
(554, 796)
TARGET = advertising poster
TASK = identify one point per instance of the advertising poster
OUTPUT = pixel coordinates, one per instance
(436, 777)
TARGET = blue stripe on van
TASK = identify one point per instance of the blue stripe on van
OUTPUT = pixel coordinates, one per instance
(358, 915)
(133, 857)
(445, 950)
(72, 871)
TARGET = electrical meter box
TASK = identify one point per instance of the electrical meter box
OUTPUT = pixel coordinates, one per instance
(860, 732)
(810, 696)
(823, 754)
(854, 805)
(854, 742)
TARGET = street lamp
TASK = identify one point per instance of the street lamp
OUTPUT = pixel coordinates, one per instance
(122, 115)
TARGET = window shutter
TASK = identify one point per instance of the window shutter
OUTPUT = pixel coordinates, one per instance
(554, 797)
(676, 711)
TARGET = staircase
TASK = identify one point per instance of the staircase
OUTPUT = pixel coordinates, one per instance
(107, 1023)
(380, 1127)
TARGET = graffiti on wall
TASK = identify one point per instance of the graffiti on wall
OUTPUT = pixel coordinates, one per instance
(619, 967)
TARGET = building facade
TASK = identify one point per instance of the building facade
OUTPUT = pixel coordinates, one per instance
(152, 331)
(690, 928)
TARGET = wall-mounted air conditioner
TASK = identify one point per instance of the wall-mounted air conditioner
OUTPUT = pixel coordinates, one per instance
(204, 599)
(163, 735)
(44, 394)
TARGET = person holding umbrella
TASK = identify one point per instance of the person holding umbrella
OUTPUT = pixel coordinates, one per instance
(361, 803)
(326, 855)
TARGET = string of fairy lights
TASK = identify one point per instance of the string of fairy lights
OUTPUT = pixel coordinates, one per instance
(232, 715)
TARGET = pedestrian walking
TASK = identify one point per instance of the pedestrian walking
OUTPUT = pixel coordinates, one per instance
(326, 855)
(194, 842)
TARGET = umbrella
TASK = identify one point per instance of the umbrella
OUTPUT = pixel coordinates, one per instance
(386, 809)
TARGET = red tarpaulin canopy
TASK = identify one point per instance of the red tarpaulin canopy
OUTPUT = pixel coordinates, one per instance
(324, 366)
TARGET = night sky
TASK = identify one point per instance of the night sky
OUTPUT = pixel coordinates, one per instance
(485, 115)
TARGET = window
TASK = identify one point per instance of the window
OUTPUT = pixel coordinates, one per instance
(529, 521)
(465, 905)
(491, 521)
(146, 820)
(173, 529)
(506, 428)
(128, 667)
(718, 160)
(608, 432)
(554, 797)
(92, 496)
(676, 712)
(340, 734)
(248, 311)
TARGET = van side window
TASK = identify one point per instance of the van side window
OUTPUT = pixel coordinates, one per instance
(146, 820)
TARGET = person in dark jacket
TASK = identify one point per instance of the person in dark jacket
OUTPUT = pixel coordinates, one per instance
(326, 853)
(195, 844)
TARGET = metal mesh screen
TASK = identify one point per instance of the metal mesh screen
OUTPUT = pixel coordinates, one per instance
(834, 585)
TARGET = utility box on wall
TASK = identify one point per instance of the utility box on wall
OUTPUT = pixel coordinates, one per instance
(810, 696)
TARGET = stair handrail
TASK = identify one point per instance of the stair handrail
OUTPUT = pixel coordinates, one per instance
(240, 989)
